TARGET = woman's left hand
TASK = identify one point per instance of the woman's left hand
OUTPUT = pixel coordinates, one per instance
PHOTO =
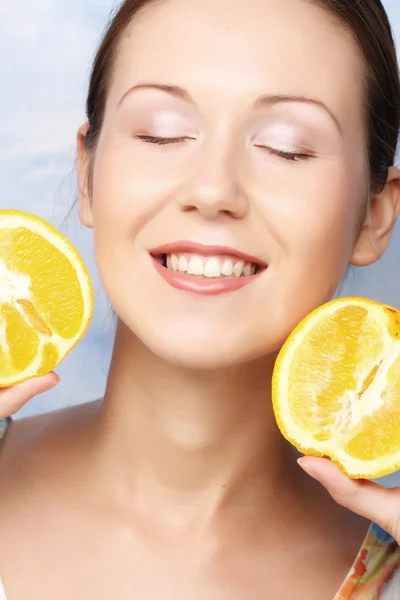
(367, 499)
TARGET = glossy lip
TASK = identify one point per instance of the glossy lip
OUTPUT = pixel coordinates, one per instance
(202, 250)
(199, 285)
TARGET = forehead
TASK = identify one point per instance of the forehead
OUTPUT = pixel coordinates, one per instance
(238, 50)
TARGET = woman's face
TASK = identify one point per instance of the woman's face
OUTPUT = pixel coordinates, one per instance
(263, 101)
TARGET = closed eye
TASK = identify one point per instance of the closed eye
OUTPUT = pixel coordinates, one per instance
(293, 156)
(161, 141)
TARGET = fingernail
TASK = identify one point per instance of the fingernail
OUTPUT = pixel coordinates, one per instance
(302, 462)
(55, 382)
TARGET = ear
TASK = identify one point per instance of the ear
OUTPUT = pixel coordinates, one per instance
(83, 165)
(383, 212)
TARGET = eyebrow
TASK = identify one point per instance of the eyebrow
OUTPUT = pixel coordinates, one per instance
(174, 90)
(268, 99)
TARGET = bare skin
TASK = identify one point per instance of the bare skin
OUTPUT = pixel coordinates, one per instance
(77, 536)
(178, 484)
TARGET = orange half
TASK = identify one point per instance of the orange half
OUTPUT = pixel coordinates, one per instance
(46, 297)
(336, 386)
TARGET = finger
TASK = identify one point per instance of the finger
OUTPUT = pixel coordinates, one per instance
(13, 398)
(367, 499)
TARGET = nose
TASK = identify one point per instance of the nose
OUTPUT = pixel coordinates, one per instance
(213, 188)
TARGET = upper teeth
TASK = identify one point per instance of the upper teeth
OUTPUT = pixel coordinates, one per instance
(211, 266)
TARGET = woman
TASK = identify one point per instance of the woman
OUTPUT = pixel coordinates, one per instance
(237, 158)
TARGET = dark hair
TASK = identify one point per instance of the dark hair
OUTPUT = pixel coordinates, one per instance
(365, 19)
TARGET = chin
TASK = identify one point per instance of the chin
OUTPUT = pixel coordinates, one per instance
(208, 350)
(218, 340)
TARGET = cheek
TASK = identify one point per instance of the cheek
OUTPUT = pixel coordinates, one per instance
(312, 213)
(129, 190)
(332, 219)
(311, 232)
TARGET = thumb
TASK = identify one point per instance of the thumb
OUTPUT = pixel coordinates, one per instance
(367, 499)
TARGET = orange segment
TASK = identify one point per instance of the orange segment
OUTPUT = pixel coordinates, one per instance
(56, 292)
(46, 298)
(22, 341)
(336, 386)
(33, 318)
(50, 359)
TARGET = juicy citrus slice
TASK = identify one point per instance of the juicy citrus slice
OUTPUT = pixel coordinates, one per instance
(336, 386)
(46, 298)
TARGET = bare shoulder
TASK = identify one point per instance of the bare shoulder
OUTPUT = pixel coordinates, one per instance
(34, 447)
(24, 432)
(42, 461)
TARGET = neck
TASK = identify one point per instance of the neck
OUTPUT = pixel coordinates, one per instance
(207, 440)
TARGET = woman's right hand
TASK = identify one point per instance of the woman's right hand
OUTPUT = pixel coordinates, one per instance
(13, 398)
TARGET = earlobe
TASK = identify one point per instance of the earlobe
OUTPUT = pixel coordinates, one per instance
(382, 214)
(83, 177)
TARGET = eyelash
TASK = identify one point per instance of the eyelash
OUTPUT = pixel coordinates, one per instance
(292, 156)
(162, 141)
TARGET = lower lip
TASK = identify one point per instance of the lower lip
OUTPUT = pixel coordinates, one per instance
(202, 286)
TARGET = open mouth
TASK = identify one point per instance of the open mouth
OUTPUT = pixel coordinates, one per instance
(205, 270)
(220, 266)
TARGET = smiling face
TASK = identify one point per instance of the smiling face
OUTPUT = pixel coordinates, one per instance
(262, 109)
